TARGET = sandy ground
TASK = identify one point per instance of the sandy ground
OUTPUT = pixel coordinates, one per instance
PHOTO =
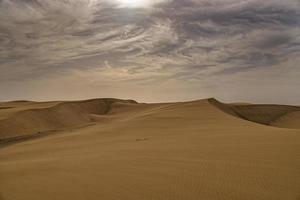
(173, 151)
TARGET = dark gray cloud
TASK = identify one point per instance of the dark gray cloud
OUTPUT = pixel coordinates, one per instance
(186, 46)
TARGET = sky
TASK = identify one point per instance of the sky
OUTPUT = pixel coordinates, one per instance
(150, 50)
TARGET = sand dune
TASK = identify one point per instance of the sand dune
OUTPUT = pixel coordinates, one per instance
(24, 118)
(120, 149)
(290, 120)
(29, 118)
(273, 115)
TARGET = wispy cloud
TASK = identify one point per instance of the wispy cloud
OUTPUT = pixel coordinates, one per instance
(187, 46)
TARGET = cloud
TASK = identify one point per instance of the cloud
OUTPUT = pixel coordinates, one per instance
(186, 42)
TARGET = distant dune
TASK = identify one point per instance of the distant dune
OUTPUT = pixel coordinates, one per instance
(120, 149)
(273, 115)
(24, 118)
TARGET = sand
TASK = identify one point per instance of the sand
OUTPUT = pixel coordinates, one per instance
(118, 149)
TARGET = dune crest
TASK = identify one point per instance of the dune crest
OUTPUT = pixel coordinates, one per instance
(26, 119)
(272, 115)
(54, 116)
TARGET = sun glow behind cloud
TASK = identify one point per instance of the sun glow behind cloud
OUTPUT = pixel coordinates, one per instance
(135, 3)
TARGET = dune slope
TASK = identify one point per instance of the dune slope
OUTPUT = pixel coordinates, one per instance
(22, 119)
(180, 151)
(274, 115)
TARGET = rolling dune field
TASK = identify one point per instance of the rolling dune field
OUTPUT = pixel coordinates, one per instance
(115, 149)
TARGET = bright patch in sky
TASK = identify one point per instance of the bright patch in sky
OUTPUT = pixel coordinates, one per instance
(134, 3)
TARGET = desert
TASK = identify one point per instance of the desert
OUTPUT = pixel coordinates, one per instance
(149, 100)
(121, 149)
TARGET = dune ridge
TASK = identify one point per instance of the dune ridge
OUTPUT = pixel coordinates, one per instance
(271, 115)
(54, 117)
(26, 119)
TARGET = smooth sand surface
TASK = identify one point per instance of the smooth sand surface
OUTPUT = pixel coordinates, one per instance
(115, 149)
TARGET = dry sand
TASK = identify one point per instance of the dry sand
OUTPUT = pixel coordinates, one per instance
(115, 149)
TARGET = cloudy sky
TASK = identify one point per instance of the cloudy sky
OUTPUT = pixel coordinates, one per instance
(150, 50)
